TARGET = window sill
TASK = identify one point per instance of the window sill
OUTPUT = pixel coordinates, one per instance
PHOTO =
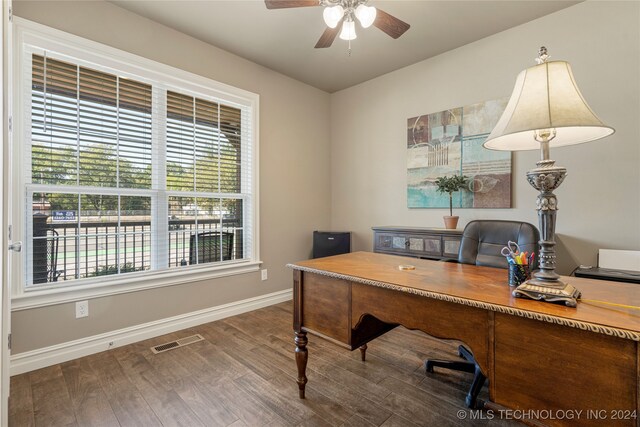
(125, 284)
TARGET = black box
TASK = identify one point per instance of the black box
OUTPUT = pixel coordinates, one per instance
(328, 243)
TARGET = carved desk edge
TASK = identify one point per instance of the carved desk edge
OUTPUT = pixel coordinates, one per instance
(592, 327)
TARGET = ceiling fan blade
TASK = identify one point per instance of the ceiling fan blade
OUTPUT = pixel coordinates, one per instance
(390, 24)
(329, 35)
(283, 4)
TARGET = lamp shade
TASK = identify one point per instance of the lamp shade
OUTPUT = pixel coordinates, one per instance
(348, 30)
(546, 97)
(366, 15)
(332, 15)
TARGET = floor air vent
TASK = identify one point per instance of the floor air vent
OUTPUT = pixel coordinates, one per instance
(176, 344)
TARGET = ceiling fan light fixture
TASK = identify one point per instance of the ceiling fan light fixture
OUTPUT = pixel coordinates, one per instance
(340, 17)
(332, 15)
(366, 15)
(348, 30)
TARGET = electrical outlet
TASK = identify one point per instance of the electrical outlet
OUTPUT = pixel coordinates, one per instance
(82, 309)
(264, 274)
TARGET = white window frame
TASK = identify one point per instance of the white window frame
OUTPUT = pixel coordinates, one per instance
(95, 54)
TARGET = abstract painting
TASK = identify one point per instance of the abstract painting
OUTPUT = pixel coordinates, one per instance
(449, 143)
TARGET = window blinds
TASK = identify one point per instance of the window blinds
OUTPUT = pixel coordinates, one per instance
(89, 128)
(205, 156)
(98, 144)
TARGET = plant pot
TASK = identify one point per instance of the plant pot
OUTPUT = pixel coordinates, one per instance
(451, 222)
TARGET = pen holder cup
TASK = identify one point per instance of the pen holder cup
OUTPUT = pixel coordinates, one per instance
(518, 274)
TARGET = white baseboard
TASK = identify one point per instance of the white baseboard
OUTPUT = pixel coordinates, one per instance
(47, 356)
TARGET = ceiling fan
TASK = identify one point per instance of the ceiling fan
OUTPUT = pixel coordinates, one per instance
(340, 16)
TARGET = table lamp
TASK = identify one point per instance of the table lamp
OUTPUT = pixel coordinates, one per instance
(546, 109)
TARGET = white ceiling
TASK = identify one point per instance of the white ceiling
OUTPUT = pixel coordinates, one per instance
(284, 39)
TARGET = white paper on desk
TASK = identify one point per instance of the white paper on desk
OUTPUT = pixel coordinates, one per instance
(619, 260)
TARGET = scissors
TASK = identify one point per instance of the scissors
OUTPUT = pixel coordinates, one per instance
(511, 250)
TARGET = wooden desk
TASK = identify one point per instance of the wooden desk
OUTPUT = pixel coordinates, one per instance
(537, 356)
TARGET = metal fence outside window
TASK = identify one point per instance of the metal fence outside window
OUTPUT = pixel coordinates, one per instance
(66, 251)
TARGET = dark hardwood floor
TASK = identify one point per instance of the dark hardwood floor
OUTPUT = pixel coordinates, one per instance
(243, 374)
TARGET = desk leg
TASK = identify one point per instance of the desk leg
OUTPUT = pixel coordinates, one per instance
(363, 352)
(301, 360)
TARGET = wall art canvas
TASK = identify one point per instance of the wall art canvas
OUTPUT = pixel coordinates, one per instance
(450, 142)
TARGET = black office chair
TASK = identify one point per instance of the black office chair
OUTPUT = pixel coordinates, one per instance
(481, 244)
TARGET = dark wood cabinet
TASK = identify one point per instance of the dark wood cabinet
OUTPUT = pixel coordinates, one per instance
(418, 242)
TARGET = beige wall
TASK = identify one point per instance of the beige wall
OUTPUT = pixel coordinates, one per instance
(600, 199)
(293, 161)
(359, 178)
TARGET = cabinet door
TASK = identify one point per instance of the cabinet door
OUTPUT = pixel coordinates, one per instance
(450, 246)
(424, 245)
(432, 245)
(390, 243)
(399, 243)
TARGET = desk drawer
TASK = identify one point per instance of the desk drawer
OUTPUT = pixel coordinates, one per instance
(540, 365)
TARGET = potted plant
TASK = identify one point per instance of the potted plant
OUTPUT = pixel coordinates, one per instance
(450, 184)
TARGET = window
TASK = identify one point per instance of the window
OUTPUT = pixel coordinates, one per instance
(90, 143)
(128, 169)
(204, 161)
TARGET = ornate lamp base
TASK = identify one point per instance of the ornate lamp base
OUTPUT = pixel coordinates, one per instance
(545, 285)
(555, 291)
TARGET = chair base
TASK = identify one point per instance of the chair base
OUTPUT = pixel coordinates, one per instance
(469, 366)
